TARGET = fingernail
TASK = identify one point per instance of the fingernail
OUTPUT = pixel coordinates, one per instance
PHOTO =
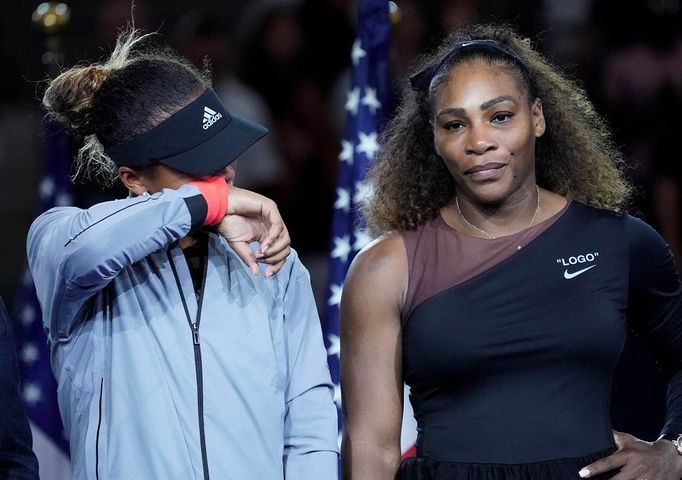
(584, 473)
(268, 274)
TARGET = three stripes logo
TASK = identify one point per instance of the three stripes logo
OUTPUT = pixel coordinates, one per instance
(210, 117)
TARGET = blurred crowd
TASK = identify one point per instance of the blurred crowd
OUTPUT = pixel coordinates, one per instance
(285, 64)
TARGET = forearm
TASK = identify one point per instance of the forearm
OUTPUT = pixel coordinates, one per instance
(311, 420)
(85, 244)
(74, 253)
(310, 435)
(368, 460)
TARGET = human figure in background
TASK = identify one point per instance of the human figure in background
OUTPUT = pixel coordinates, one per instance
(276, 62)
(17, 460)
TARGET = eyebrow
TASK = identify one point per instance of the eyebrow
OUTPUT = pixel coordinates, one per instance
(484, 106)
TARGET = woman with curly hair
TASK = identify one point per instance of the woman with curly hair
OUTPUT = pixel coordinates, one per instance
(503, 283)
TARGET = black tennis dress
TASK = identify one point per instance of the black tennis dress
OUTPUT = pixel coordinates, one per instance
(510, 366)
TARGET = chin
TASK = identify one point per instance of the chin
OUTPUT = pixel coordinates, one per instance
(491, 194)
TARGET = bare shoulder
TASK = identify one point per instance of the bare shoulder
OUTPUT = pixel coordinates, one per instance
(385, 255)
(379, 272)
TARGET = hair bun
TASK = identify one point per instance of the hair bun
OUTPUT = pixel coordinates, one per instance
(69, 97)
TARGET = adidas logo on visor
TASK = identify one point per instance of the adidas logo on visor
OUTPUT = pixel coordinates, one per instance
(210, 117)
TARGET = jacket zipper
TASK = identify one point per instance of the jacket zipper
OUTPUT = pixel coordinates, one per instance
(99, 424)
(194, 327)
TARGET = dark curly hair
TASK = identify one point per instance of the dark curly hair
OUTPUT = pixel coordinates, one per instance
(575, 157)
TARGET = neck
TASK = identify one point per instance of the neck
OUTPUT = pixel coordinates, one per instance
(496, 220)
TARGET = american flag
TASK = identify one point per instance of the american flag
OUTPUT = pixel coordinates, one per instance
(366, 107)
(38, 386)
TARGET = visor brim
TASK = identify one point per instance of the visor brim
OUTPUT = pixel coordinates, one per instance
(218, 152)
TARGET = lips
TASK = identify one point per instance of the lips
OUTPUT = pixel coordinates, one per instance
(486, 171)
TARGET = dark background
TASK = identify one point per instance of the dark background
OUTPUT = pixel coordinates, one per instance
(287, 63)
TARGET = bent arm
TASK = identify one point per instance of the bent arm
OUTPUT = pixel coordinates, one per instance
(655, 310)
(310, 423)
(371, 361)
(73, 253)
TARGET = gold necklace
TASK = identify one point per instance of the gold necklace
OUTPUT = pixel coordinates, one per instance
(490, 235)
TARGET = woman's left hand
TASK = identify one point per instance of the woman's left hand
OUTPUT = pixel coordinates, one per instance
(240, 231)
(638, 460)
(252, 217)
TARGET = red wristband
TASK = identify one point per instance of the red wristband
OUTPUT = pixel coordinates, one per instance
(215, 191)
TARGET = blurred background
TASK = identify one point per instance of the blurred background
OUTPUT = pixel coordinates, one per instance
(286, 64)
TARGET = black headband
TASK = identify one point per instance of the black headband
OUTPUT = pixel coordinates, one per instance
(422, 81)
(199, 139)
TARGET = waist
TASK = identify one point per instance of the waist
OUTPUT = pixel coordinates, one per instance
(515, 430)
(430, 468)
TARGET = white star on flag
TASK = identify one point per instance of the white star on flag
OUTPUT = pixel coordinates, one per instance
(362, 239)
(341, 248)
(46, 187)
(32, 393)
(346, 154)
(357, 53)
(29, 353)
(28, 315)
(362, 192)
(370, 100)
(367, 96)
(335, 297)
(38, 387)
(337, 395)
(334, 346)
(63, 200)
(353, 101)
(27, 280)
(368, 144)
(342, 199)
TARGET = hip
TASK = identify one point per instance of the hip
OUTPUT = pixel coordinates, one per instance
(426, 468)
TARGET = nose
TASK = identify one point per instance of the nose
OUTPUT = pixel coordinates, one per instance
(479, 141)
(227, 173)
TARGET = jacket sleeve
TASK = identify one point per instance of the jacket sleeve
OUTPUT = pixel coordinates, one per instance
(311, 420)
(17, 460)
(74, 253)
(655, 309)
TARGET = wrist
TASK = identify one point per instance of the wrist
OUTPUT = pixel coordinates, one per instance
(215, 192)
(675, 439)
(673, 443)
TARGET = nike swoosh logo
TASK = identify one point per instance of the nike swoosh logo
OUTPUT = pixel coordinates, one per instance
(568, 276)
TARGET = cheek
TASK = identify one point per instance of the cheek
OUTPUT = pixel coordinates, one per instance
(452, 159)
(447, 148)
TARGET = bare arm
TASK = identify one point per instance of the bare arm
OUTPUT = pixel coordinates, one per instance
(371, 361)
